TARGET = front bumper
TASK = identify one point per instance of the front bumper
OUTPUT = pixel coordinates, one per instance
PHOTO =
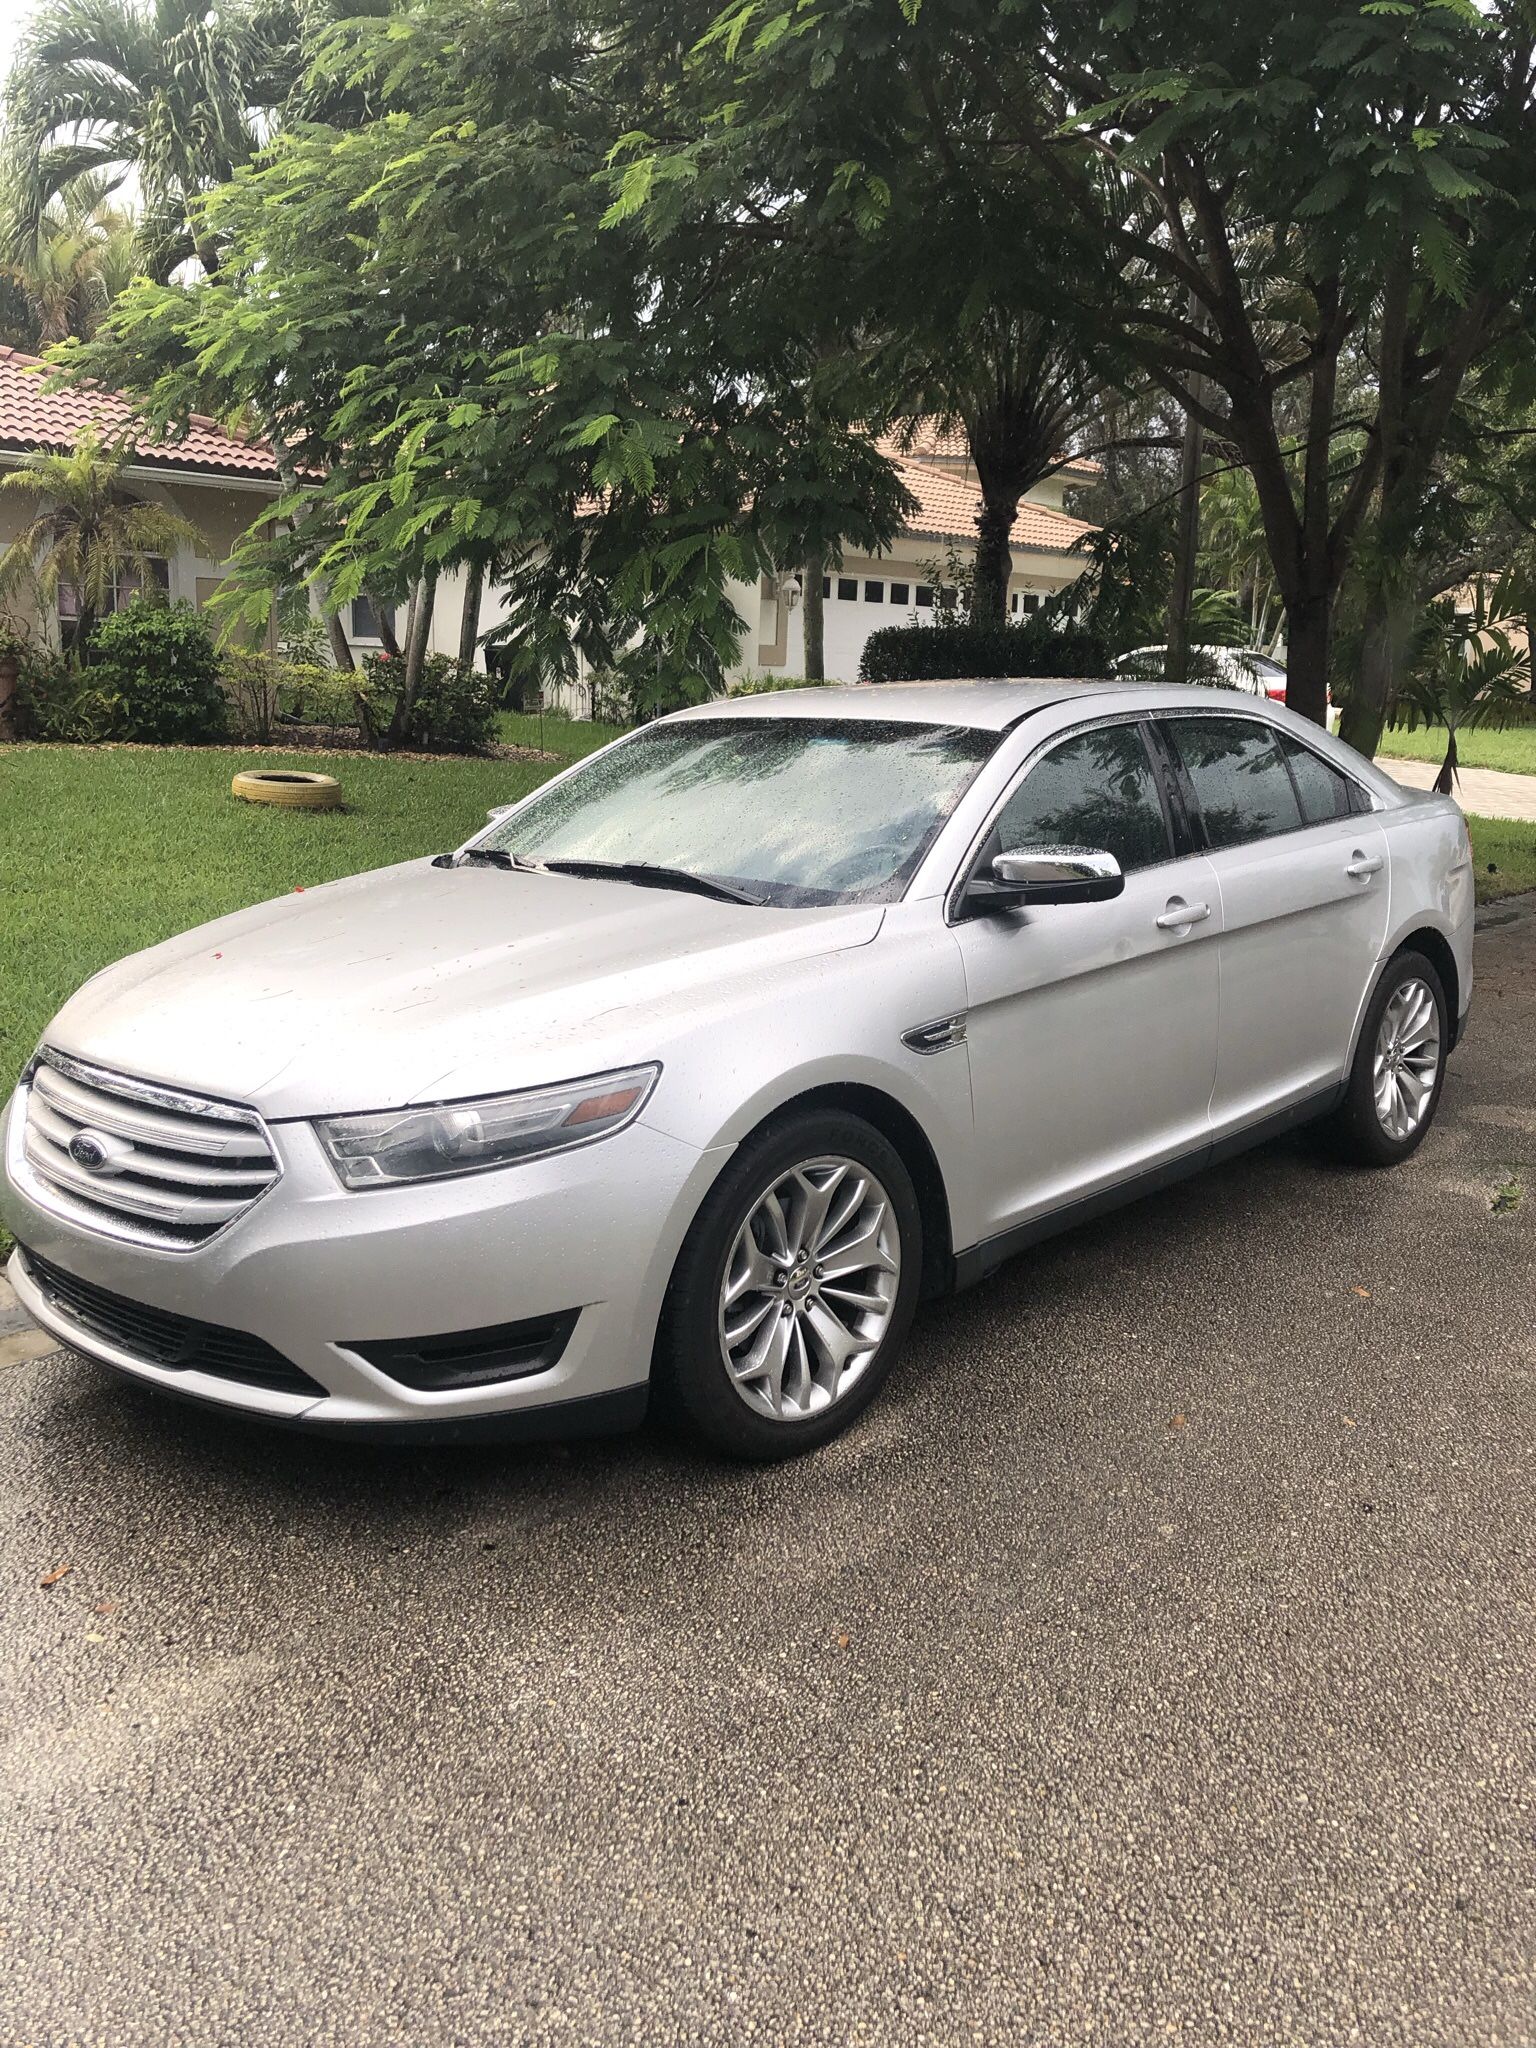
(315, 1270)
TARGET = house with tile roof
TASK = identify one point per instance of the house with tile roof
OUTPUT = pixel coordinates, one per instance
(221, 481)
(866, 592)
(216, 480)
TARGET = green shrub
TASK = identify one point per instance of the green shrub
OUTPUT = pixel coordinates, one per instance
(55, 702)
(455, 708)
(265, 693)
(308, 693)
(907, 654)
(250, 683)
(157, 664)
(763, 686)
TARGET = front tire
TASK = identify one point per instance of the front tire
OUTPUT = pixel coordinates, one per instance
(794, 1288)
(1399, 1067)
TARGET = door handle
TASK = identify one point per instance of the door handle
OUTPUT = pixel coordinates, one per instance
(1178, 916)
(1364, 865)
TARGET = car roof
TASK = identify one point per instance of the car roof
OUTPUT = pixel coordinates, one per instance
(996, 706)
(992, 706)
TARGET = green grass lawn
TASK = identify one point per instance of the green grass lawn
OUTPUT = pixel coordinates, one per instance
(103, 851)
(1504, 855)
(1511, 747)
(568, 737)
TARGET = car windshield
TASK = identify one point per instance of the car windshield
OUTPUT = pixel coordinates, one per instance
(793, 810)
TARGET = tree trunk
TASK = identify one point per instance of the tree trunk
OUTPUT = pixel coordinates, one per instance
(1181, 595)
(813, 617)
(387, 637)
(469, 618)
(1445, 781)
(415, 657)
(1309, 636)
(993, 566)
(8, 669)
(1372, 694)
(335, 631)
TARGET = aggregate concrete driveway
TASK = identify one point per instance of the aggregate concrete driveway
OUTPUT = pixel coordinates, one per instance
(1157, 1664)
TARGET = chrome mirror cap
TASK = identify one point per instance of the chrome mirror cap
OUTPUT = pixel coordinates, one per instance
(1057, 874)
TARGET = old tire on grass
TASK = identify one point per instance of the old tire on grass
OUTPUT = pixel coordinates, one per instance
(292, 789)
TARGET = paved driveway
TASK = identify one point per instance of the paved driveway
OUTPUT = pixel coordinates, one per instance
(1157, 1664)
(1485, 792)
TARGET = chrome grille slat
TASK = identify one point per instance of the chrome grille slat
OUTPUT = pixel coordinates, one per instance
(158, 1165)
(106, 1112)
(123, 1193)
(175, 1172)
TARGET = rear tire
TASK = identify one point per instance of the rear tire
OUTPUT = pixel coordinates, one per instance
(1399, 1066)
(793, 1291)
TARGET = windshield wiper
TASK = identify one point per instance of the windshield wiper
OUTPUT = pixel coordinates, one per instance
(648, 874)
(485, 856)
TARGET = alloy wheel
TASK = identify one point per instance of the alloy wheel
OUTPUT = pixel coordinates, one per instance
(810, 1288)
(1407, 1058)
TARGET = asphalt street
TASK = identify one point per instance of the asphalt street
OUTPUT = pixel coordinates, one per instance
(1156, 1663)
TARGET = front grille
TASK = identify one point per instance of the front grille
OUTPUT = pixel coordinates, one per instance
(157, 1337)
(141, 1162)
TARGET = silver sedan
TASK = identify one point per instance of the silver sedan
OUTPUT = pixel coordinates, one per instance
(693, 1072)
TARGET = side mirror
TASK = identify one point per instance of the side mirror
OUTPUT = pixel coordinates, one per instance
(1030, 875)
(498, 811)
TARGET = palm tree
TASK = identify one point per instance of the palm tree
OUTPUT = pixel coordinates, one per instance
(160, 90)
(1019, 386)
(87, 536)
(1235, 554)
(82, 259)
(1465, 672)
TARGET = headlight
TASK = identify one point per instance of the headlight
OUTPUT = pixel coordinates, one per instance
(496, 1130)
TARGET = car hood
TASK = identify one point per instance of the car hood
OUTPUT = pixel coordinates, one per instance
(419, 984)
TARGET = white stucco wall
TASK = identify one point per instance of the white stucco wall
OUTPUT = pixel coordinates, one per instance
(774, 643)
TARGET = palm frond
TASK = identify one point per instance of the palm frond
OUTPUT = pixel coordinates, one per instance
(161, 88)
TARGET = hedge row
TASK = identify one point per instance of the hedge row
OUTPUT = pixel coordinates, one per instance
(912, 654)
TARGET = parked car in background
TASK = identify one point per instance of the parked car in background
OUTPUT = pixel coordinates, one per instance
(695, 1069)
(1233, 668)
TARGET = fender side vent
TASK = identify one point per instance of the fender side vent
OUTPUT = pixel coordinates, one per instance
(938, 1036)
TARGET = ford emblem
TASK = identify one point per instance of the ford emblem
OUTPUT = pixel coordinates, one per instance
(89, 1150)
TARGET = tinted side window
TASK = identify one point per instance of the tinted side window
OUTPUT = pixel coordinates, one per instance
(1095, 789)
(1240, 779)
(1324, 791)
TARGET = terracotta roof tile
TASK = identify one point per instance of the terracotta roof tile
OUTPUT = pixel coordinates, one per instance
(928, 443)
(947, 506)
(32, 417)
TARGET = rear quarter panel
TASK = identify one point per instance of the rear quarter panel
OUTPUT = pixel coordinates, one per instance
(1432, 881)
